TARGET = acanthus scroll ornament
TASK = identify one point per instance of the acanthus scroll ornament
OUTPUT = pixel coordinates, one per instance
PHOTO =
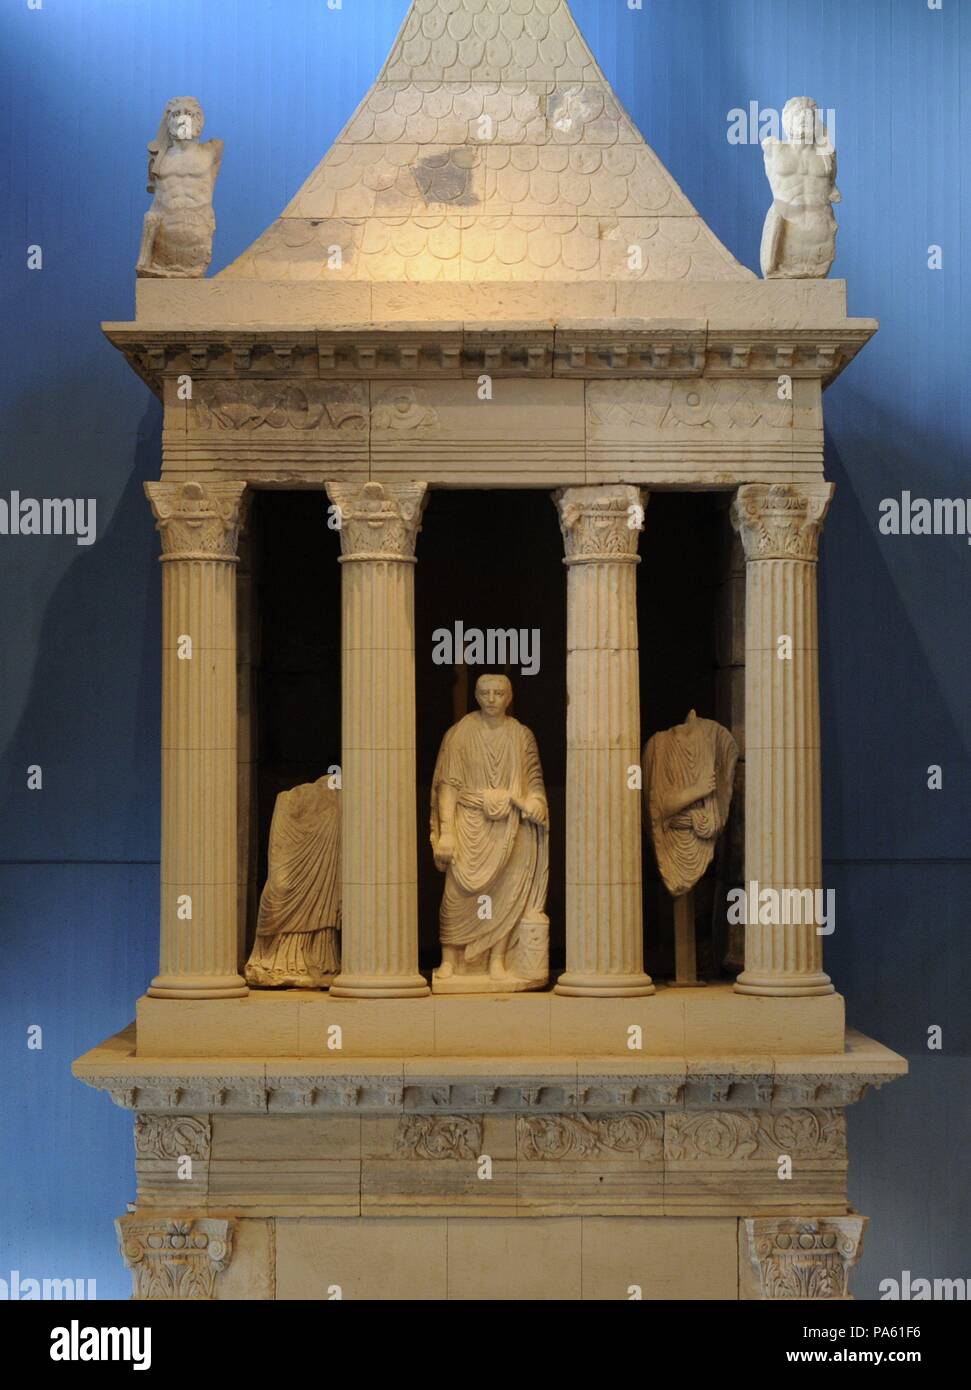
(589, 1136)
(172, 1136)
(433, 1136)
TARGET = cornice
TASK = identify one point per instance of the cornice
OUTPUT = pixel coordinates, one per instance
(593, 349)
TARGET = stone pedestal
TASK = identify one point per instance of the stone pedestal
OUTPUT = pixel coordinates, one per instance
(779, 525)
(604, 911)
(379, 524)
(436, 1176)
(199, 525)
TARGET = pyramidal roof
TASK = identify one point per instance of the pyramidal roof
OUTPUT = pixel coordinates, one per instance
(491, 147)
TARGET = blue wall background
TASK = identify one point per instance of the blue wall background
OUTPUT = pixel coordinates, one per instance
(82, 85)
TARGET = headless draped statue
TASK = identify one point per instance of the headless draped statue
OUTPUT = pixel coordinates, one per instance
(689, 778)
(178, 228)
(296, 931)
(489, 834)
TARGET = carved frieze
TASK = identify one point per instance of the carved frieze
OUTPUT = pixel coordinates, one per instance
(803, 1259)
(172, 1136)
(404, 411)
(198, 521)
(553, 1137)
(255, 405)
(174, 1259)
(761, 1134)
(720, 406)
(433, 1136)
(781, 521)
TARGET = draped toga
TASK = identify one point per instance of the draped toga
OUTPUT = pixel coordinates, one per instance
(675, 760)
(497, 852)
(296, 931)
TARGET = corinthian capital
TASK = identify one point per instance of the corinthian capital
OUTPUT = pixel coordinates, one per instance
(601, 523)
(378, 521)
(198, 521)
(175, 1258)
(802, 1258)
(781, 521)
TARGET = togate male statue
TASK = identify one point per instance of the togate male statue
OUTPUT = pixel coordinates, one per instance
(689, 777)
(178, 228)
(799, 236)
(489, 834)
(299, 917)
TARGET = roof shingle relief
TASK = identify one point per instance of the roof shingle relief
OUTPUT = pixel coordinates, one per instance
(490, 148)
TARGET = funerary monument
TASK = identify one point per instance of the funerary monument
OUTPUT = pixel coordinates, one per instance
(490, 337)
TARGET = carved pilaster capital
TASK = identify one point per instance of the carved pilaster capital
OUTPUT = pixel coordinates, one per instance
(198, 521)
(781, 521)
(794, 1258)
(601, 523)
(378, 521)
(174, 1258)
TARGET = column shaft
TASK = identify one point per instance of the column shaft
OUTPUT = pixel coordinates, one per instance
(779, 526)
(604, 908)
(379, 852)
(199, 526)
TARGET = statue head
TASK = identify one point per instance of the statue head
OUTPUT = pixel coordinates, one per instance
(493, 695)
(183, 119)
(802, 123)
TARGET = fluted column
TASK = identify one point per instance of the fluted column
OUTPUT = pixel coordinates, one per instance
(604, 910)
(379, 851)
(199, 525)
(779, 526)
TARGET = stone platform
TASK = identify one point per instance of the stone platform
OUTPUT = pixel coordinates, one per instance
(673, 1023)
(533, 1173)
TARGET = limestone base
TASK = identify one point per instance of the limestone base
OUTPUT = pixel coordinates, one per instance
(674, 1021)
(481, 984)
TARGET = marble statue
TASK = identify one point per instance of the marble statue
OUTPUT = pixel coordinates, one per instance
(489, 834)
(296, 930)
(178, 228)
(689, 774)
(799, 236)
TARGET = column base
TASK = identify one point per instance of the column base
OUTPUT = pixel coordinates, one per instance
(198, 987)
(380, 987)
(593, 986)
(751, 982)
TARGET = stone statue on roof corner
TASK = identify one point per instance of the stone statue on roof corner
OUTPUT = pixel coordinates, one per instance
(799, 236)
(178, 228)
